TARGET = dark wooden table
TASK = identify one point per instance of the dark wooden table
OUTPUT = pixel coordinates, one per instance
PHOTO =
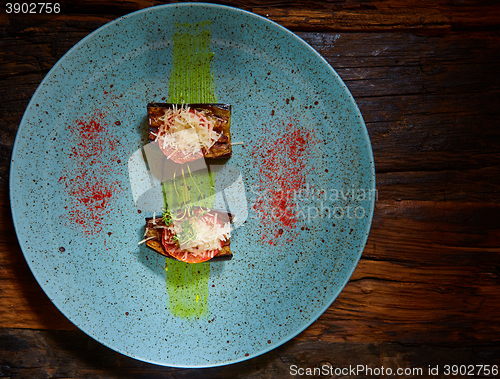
(427, 290)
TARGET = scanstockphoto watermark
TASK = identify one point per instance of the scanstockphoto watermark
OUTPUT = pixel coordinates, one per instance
(328, 370)
(311, 202)
(356, 370)
(309, 213)
(310, 192)
(315, 193)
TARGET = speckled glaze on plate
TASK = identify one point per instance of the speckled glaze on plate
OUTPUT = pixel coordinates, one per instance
(114, 290)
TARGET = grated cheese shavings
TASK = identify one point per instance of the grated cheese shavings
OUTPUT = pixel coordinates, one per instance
(144, 240)
(188, 130)
(209, 233)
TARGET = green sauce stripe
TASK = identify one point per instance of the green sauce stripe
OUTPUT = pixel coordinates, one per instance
(191, 81)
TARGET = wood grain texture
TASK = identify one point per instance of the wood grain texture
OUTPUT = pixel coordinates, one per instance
(426, 16)
(68, 354)
(426, 290)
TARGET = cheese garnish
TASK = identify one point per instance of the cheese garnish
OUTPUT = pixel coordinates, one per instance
(205, 233)
(188, 130)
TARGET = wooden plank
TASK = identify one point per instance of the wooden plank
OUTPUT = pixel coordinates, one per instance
(435, 233)
(404, 15)
(434, 142)
(479, 185)
(355, 50)
(426, 19)
(71, 354)
(421, 79)
(425, 305)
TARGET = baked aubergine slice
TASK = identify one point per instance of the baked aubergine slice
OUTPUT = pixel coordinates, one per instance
(167, 240)
(186, 132)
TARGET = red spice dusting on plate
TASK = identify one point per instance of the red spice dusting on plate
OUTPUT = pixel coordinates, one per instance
(88, 177)
(283, 161)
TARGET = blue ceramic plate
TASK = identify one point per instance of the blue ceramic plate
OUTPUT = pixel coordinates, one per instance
(304, 188)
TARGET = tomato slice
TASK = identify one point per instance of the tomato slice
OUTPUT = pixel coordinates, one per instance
(178, 156)
(191, 258)
(172, 248)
